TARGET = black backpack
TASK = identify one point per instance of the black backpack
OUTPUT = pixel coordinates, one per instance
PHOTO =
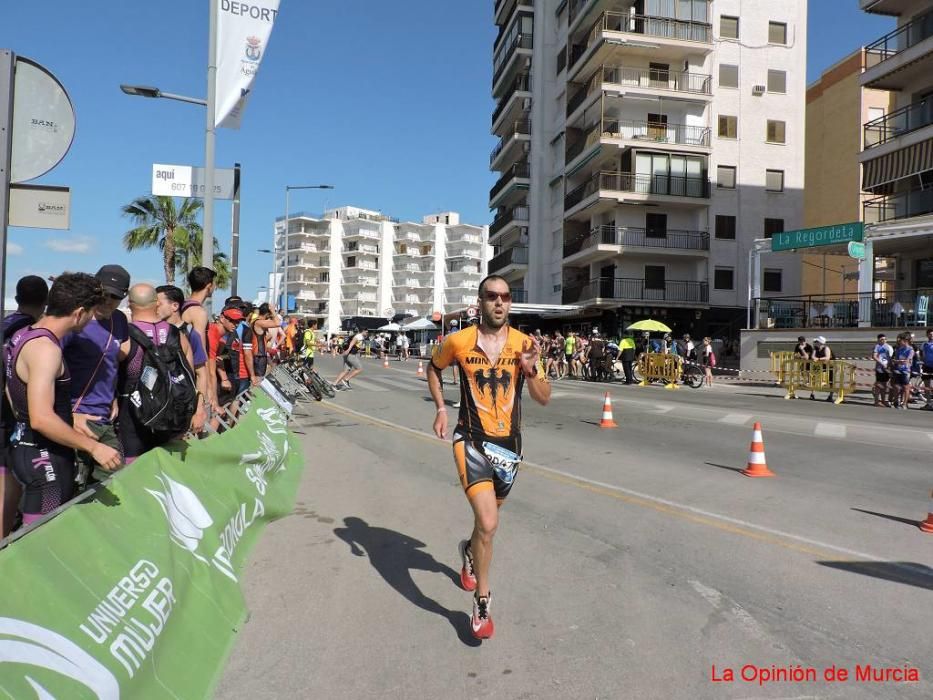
(7, 420)
(164, 398)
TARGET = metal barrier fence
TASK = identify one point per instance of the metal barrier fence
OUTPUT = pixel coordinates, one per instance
(654, 366)
(833, 376)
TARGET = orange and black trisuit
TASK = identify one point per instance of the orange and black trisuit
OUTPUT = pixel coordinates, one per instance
(487, 439)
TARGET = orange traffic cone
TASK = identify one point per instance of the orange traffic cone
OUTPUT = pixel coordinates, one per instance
(420, 368)
(385, 362)
(927, 525)
(607, 421)
(757, 466)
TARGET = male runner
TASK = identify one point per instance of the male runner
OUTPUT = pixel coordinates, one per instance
(351, 361)
(495, 361)
(43, 454)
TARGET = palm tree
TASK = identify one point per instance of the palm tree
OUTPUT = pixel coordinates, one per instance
(188, 255)
(159, 223)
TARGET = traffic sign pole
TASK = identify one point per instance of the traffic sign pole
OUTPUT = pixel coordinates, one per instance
(7, 63)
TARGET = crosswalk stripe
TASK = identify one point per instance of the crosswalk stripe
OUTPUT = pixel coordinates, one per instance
(735, 418)
(835, 430)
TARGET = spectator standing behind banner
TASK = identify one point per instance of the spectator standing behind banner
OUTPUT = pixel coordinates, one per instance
(170, 300)
(135, 437)
(310, 343)
(201, 282)
(44, 442)
(261, 326)
(219, 353)
(882, 354)
(92, 356)
(32, 294)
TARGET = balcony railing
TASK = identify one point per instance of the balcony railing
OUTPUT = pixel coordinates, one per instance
(899, 122)
(513, 256)
(522, 126)
(522, 82)
(902, 205)
(899, 40)
(656, 132)
(519, 41)
(889, 309)
(652, 78)
(680, 239)
(519, 296)
(517, 170)
(631, 289)
(672, 185)
(661, 27)
(519, 213)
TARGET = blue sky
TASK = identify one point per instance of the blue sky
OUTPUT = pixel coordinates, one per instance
(389, 102)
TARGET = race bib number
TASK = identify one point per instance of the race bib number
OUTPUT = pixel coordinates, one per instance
(504, 462)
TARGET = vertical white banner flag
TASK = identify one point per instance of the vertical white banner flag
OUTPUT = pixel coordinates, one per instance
(243, 30)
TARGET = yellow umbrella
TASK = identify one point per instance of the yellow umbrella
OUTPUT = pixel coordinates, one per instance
(649, 325)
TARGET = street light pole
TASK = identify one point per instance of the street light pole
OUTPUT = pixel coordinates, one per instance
(207, 239)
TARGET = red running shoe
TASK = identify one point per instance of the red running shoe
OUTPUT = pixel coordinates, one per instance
(467, 577)
(481, 622)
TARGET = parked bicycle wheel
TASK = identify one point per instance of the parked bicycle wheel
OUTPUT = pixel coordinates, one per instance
(693, 379)
(323, 386)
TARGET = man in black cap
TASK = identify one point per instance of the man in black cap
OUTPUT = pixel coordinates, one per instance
(93, 355)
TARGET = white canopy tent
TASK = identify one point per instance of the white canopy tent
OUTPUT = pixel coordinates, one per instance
(391, 327)
(422, 324)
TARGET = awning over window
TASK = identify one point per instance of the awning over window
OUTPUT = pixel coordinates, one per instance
(897, 165)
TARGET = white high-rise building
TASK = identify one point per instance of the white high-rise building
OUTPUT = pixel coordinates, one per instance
(354, 262)
(644, 146)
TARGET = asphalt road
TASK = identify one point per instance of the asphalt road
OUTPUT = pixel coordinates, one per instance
(628, 563)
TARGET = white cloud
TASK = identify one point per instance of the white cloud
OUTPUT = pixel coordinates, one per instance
(75, 244)
(14, 248)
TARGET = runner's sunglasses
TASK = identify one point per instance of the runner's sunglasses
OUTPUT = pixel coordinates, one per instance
(492, 296)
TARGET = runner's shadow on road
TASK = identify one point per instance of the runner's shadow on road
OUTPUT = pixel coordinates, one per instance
(906, 572)
(394, 556)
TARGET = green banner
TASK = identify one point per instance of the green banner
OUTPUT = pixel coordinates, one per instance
(135, 593)
(822, 235)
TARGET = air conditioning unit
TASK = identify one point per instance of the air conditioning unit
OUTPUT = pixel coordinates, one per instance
(758, 90)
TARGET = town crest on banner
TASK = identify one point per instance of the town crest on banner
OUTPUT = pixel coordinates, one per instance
(243, 30)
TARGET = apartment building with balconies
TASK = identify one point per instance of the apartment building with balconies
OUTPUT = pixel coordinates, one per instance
(897, 156)
(352, 262)
(663, 138)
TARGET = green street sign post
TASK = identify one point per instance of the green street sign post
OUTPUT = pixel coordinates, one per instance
(819, 236)
(856, 250)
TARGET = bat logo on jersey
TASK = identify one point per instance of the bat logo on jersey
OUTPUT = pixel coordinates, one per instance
(494, 381)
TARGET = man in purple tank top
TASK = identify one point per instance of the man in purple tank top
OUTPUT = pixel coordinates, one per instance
(38, 386)
(32, 294)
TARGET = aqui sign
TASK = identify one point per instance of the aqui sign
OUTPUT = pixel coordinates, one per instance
(819, 236)
(188, 181)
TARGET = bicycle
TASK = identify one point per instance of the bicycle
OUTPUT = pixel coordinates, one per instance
(316, 385)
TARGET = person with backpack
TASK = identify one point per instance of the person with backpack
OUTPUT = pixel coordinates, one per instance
(707, 360)
(168, 307)
(42, 456)
(202, 285)
(156, 388)
(32, 293)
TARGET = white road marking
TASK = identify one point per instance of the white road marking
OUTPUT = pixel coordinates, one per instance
(744, 618)
(735, 418)
(833, 430)
(398, 383)
(917, 570)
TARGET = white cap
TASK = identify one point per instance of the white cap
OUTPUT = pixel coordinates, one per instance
(820, 339)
